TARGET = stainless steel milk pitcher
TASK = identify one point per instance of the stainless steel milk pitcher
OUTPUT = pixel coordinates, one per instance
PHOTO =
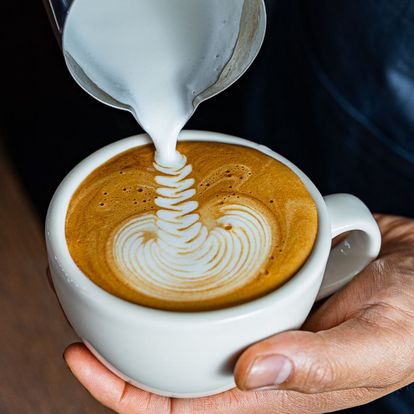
(250, 39)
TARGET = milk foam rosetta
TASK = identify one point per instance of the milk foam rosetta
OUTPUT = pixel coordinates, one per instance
(223, 225)
(171, 255)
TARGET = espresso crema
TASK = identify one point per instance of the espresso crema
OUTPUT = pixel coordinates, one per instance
(224, 225)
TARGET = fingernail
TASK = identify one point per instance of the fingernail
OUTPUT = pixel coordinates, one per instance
(268, 371)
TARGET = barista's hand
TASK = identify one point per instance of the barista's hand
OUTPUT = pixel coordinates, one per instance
(358, 346)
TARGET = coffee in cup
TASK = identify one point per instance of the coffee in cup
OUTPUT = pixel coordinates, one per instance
(223, 226)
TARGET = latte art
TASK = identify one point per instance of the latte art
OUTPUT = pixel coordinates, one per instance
(172, 255)
(224, 225)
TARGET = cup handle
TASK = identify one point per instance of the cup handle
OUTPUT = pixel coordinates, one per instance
(349, 214)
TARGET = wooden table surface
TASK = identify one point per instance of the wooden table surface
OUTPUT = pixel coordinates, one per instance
(33, 376)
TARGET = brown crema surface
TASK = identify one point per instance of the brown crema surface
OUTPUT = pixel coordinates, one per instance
(124, 187)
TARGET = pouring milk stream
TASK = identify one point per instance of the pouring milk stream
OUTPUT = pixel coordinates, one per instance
(157, 57)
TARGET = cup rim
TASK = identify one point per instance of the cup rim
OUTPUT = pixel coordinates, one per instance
(60, 257)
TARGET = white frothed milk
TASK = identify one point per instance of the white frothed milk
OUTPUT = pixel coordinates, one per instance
(172, 253)
(155, 56)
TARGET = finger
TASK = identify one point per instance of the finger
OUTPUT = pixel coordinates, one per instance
(109, 389)
(345, 304)
(373, 285)
(355, 354)
(384, 285)
(395, 228)
(280, 402)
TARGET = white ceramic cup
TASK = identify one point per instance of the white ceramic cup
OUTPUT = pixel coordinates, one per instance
(193, 354)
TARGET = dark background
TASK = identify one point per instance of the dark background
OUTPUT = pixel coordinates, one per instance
(332, 90)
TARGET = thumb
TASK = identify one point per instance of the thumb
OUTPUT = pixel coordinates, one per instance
(353, 354)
